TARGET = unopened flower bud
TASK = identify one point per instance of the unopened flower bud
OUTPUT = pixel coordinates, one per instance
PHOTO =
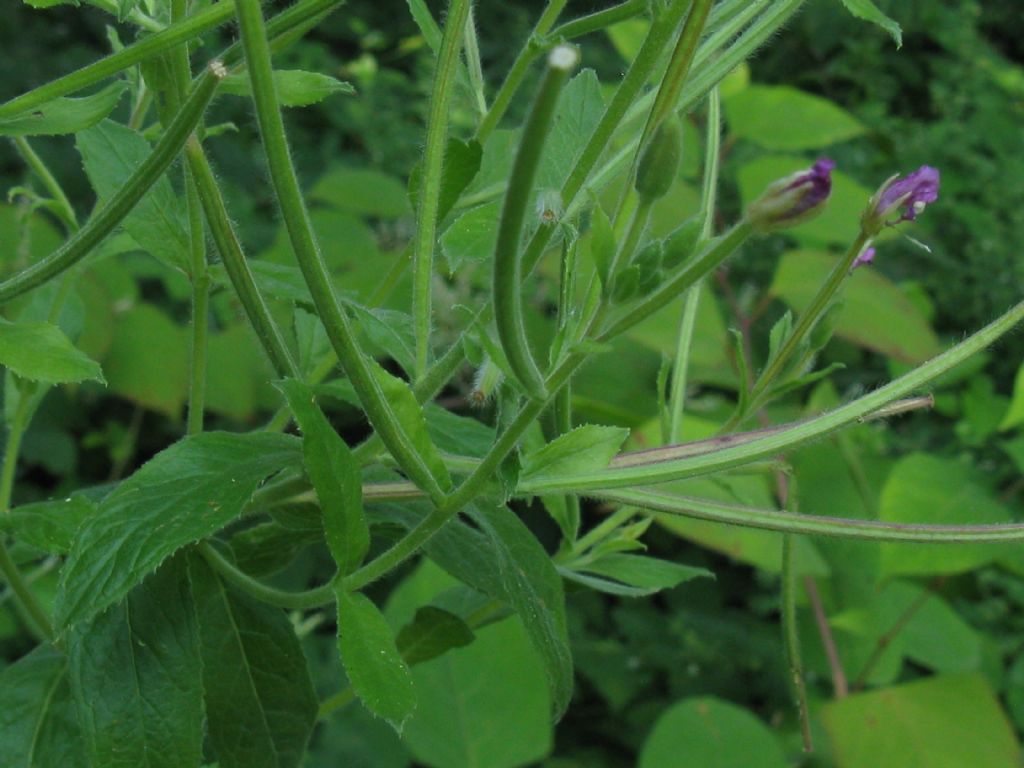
(794, 199)
(660, 160)
(910, 194)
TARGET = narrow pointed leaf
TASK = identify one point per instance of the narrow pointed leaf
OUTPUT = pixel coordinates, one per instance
(64, 115)
(585, 449)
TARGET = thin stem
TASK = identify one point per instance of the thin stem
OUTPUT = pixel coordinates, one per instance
(311, 263)
(508, 273)
(602, 530)
(65, 212)
(293, 601)
(680, 368)
(517, 72)
(790, 633)
(828, 641)
(476, 72)
(430, 187)
(598, 20)
(235, 263)
(121, 204)
(562, 406)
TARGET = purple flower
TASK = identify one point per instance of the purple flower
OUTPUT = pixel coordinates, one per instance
(867, 256)
(911, 193)
(793, 199)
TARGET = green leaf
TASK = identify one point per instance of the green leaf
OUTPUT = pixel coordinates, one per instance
(579, 109)
(585, 448)
(136, 676)
(183, 494)
(260, 702)
(482, 705)
(147, 361)
(602, 244)
(457, 434)
(295, 88)
(432, 632)
(875, 313)
(64, 115)
(647, 574)
(710, 733)
(410, 415)
(942, 722)
(1014, 416)
(41, 352)
(335, 476)
(930, 489)
(269, 547)
(470, 238)
(111, 152)
(811, 121)
(378, 674)
(867, 10)
(533, 588)
(389, 333)
(48, 525)
(363, 192)
(461, 164)
(38, 728)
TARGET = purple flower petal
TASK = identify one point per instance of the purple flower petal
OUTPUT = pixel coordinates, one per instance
(793, 199)
(867, 256)
(912, 193)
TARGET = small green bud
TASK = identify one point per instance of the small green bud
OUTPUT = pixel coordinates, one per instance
(659, 162)
(648, 262)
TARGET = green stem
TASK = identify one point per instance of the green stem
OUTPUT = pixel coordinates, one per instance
(791, 638)
(66, 213)
(293, 601)
(311, 263)
(680, 368)
(808, 319)
(654, 468)
(517, 72)
(120, 205)
(602, 530)
(507, 284)
(782, 521)
(562, 406)
(147, 47)
(430, 187)
(595, 22)
(235, 263)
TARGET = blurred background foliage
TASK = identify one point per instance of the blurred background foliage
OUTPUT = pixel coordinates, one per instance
(925, 625)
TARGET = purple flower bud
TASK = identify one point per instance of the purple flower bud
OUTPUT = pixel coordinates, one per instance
(911, 193)
(867, 256)
(794, 199)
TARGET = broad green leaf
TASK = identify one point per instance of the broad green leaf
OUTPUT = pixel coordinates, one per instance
(379, 675)
(867, 10)
(432, 632)
(41, 352)
(363, 192)
(461, 164)
(136, 676)
(811, 121)
(471, 237)
(183, 494)
(389, 333)
(837, 225)
(269, 547)
(942, 722)
(335, 476)
(38, 728)
(110, 153)
(533, 588)
(238, 374)
(579, 109)
(930, 489)
(410, 415)
(482, 705)
(64, 115)
(147, 361)
(875, 314)
(585, 448)
(457, 434)
(260, 702)
(295, 88)
(48, 525)
(710, 733)
(1014, 416)
(647, 574)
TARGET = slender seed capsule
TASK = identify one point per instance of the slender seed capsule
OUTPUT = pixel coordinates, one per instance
(659, 162)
